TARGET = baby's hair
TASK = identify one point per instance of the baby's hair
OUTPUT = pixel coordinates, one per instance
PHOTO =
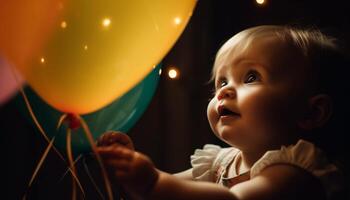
(329, 67)
(309, 42)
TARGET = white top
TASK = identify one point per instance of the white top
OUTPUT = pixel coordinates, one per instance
(212, 162)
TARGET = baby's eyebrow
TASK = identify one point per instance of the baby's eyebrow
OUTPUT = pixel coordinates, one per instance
(243, 61)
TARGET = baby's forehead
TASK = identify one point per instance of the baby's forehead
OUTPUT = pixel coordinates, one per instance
(276, 58)
(269, 50)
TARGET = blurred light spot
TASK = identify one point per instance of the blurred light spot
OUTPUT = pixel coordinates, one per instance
(160, 72)
(173, 73)
(85, 47)
(106, 22)
(60, 5)
(42, 60)
(177, 20)
(63, 24)
(260, 1)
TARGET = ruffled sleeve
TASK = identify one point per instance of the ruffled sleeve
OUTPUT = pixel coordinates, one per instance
(202, 162)
(306, 156)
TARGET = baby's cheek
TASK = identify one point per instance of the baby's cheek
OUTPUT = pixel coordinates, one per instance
(261, 107)
(271, 114)
(211, 113)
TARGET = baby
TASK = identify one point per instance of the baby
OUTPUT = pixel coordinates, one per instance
(273, 93)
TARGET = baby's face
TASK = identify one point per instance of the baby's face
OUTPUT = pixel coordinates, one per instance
(260, 93)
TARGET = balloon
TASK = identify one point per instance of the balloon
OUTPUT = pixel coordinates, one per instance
(121, 115)
(101, 49)
(25, 26)
(8, 84)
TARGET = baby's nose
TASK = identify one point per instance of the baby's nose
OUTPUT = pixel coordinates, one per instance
(226, 93)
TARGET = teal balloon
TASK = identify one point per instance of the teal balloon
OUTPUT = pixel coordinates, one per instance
(121, 115)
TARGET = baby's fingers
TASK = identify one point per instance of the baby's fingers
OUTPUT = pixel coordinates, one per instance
(121, 175)
(113, 137)
(106, 138)
(115, 152)
(118, 165)
(119, 169)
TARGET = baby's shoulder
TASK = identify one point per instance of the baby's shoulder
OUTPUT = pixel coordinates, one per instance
(303, 160)
(302, 154)
(281, 181)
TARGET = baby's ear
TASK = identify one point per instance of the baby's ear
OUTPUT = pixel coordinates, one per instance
(319, 112)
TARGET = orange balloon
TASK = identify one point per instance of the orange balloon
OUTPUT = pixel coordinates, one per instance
(25, 26)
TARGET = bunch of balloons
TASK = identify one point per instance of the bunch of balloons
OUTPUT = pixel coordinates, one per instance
(80, 56)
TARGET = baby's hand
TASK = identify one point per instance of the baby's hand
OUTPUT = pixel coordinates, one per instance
(133, 170)
(115, 138)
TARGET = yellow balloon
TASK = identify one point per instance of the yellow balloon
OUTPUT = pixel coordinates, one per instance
(101, 49)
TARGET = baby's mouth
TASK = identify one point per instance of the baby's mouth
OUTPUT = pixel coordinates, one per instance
(223, 111)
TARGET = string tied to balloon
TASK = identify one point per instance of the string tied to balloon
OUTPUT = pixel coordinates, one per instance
(48, 148)
(74, 122)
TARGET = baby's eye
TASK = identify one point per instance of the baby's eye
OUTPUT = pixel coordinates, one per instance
(221, 83)
(252, 76)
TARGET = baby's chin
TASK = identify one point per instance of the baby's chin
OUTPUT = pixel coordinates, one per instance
(229, 135)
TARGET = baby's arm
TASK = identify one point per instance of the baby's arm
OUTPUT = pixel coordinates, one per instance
(142, 180)
(138, 175)
(170, 187)
(186, 175)
(281, 181)
(276, 182)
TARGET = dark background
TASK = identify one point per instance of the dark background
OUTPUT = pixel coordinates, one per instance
(175, 122)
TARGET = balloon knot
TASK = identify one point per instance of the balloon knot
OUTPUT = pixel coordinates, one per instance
(73, 121)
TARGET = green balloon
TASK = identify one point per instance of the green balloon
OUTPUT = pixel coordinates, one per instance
(121, 115)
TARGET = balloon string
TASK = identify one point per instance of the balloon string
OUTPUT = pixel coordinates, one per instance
(41, 161)
(66, 172)
(41, 130)
(92, 179)
(71, 162)
(43, 133)
(61, 120)
(99, 159)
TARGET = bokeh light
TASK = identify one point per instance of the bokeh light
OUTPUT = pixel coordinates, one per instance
(173, 73)
(260, 2)
(106, 22)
